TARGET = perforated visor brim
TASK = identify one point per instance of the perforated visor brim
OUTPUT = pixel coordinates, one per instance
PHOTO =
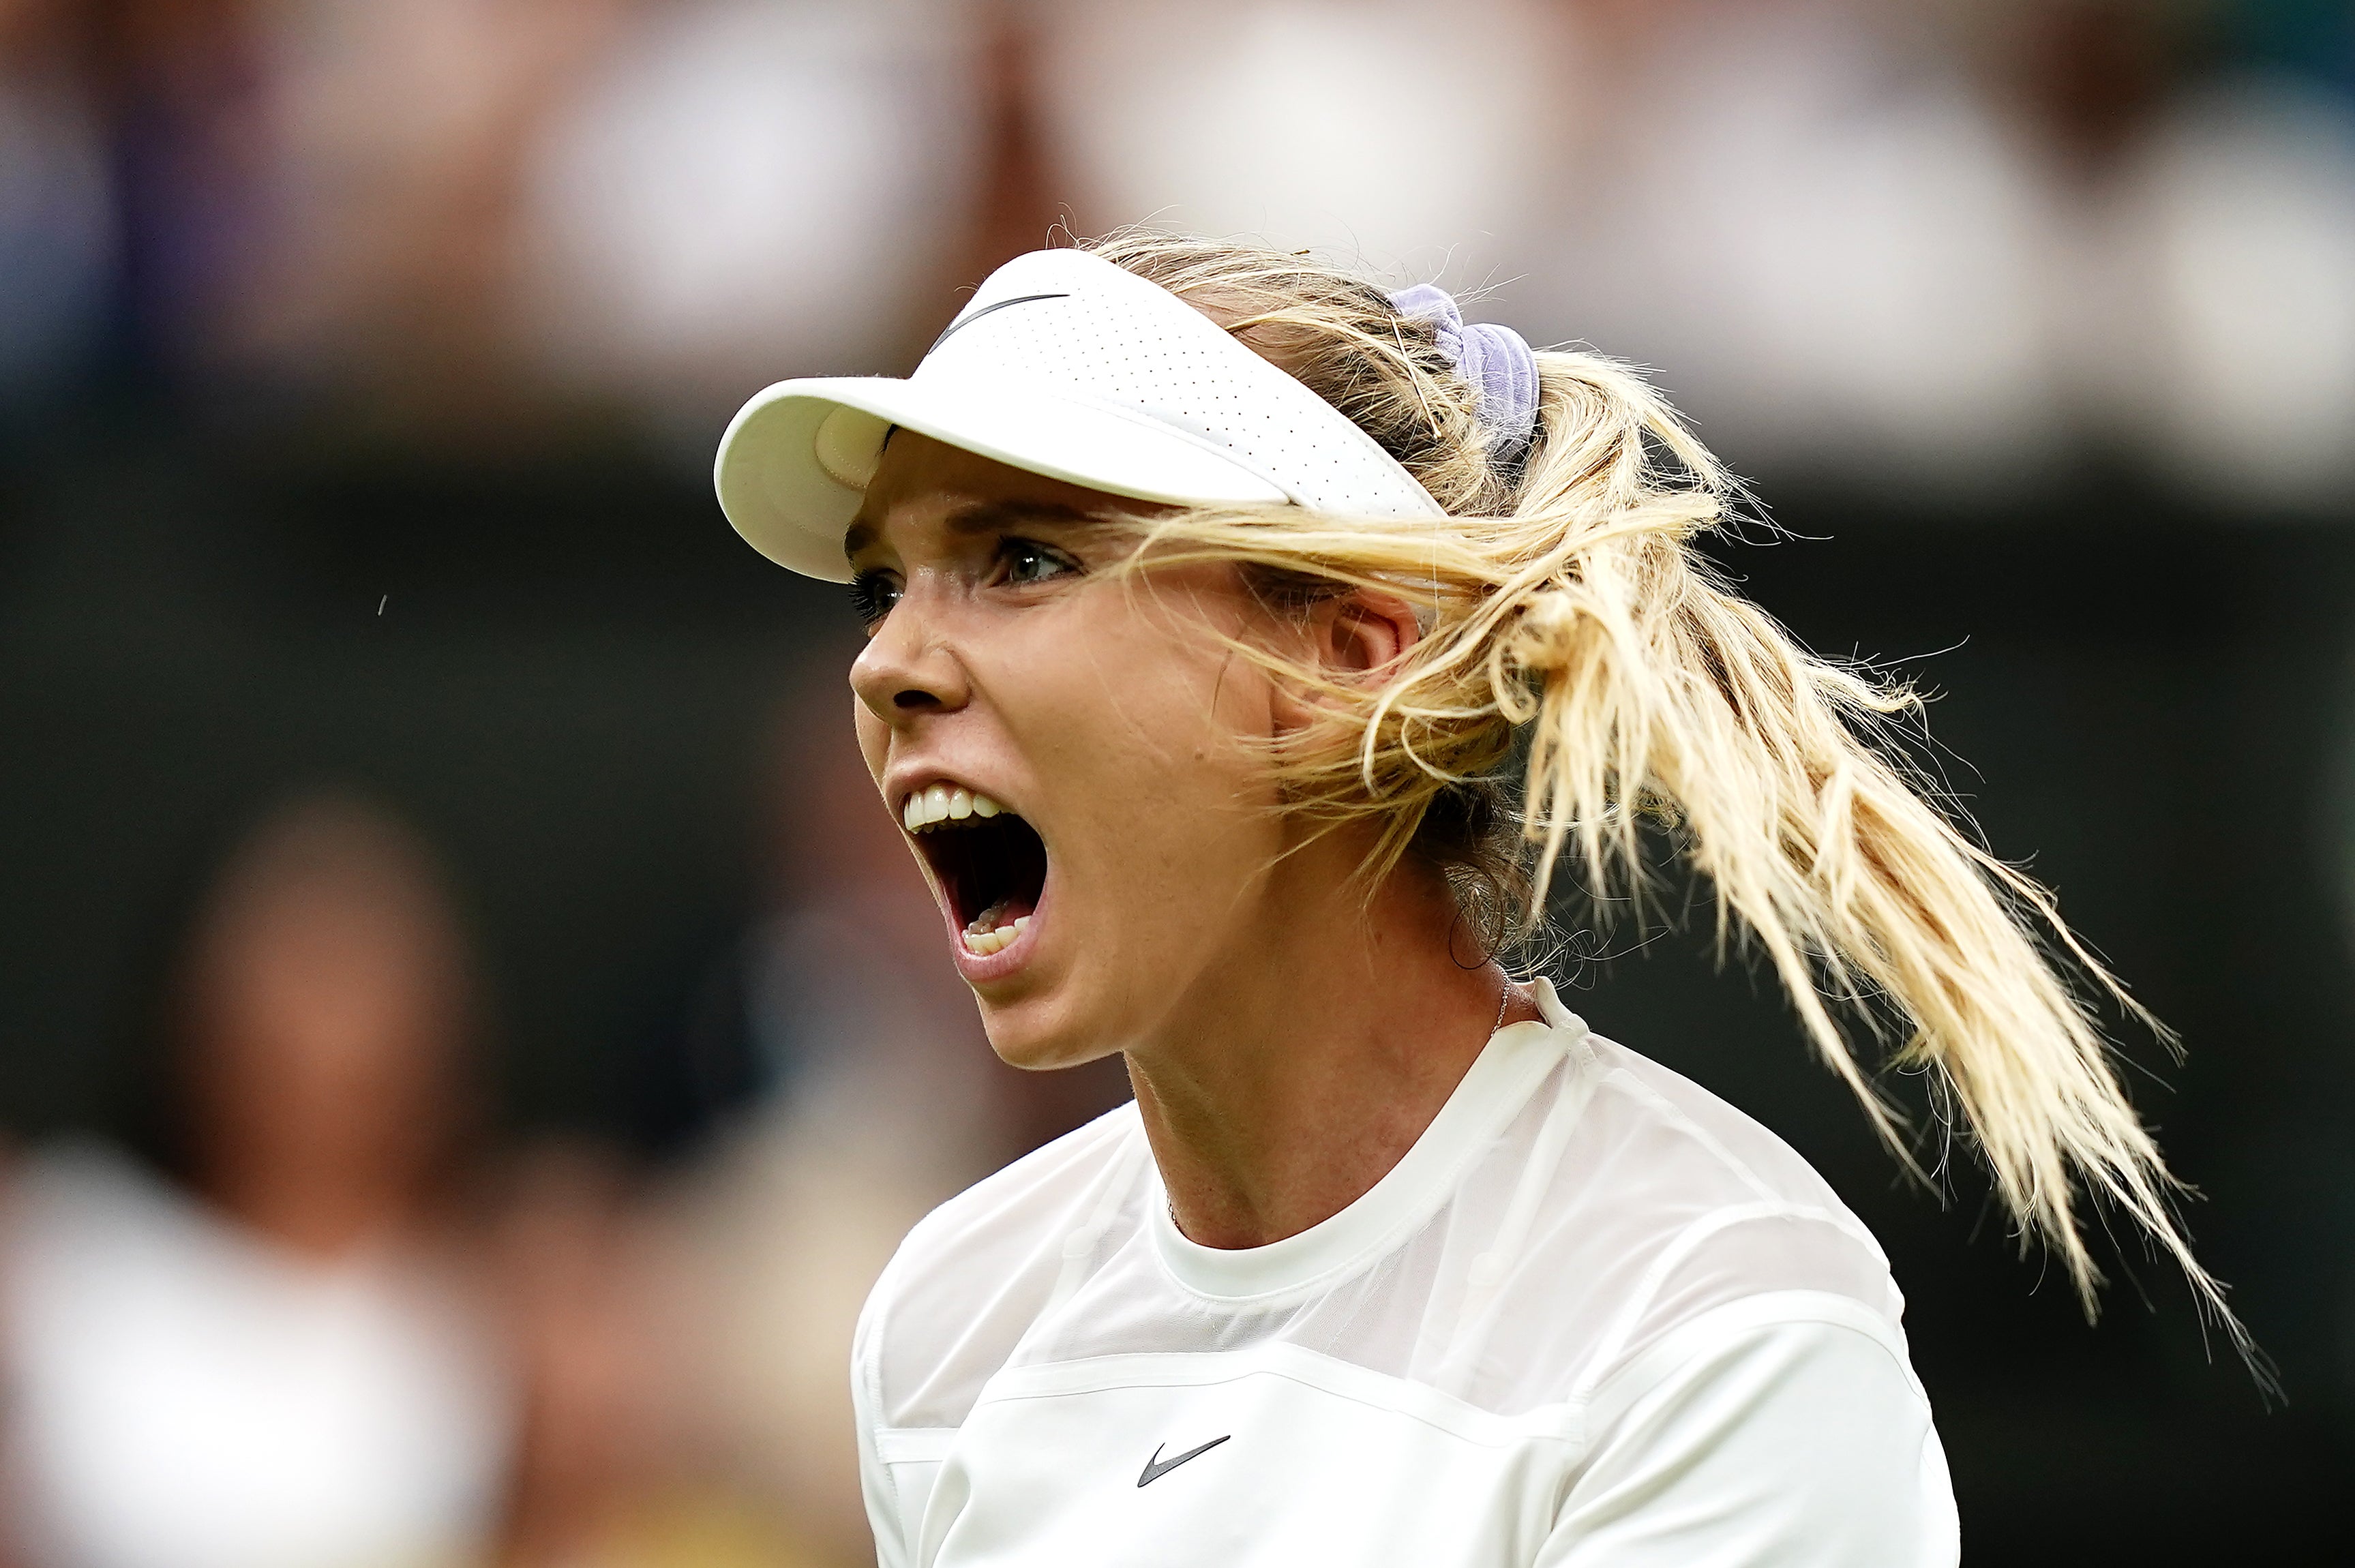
(780, 497)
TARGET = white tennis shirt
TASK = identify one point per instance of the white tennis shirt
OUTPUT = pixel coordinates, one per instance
(1595, 1318)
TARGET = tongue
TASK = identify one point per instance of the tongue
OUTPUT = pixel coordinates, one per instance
(1004, 913)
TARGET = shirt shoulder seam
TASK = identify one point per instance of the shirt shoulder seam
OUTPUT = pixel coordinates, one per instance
(1634, 1088)
(1727, 1326)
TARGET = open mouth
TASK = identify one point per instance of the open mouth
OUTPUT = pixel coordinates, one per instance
(990, 864)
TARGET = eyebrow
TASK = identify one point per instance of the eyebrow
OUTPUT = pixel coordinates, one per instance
(982, 518)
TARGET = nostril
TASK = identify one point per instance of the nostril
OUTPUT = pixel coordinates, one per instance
(909, 697)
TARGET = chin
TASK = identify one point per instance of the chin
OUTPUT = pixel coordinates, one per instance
(1043, 1031)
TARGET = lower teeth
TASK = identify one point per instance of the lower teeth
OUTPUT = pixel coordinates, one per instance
(986, 935)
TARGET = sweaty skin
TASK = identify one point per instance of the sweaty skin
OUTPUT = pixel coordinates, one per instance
(1288, 1039)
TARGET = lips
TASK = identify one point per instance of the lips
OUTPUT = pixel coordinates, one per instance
(989, 864)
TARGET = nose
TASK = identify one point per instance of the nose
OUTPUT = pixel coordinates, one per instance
(907, 670)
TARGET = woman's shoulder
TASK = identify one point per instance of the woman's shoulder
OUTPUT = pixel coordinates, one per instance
(1670, 1207)
(1710, 1151)
(81, 1210)
(974, 1274)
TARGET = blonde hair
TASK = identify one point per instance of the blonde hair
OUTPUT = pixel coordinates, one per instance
(1570, 619)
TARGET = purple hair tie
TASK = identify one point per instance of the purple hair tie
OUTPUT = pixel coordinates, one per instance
(1497, 360)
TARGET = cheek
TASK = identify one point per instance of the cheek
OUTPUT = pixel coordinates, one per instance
(874, 738)
(1147, 738)
(1134, 683)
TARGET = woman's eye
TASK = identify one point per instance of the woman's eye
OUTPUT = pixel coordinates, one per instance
(873, 593)
(1026, 562)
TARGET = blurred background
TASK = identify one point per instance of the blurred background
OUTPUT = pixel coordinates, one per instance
(468, 1037)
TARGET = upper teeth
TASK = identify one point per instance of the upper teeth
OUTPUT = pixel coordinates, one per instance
(946, 803)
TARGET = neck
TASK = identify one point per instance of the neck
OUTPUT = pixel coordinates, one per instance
(322, 1214)
(1308, 1059)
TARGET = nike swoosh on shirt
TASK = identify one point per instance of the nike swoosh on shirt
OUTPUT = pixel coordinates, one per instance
(1156, 1466)
(965, 321)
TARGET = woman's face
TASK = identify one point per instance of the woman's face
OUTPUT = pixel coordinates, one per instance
(1122, 742)
(327, 1003)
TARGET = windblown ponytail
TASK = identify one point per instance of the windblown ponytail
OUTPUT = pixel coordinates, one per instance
(1571, 623)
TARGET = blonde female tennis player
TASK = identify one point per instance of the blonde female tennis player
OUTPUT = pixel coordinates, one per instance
(1245, 645)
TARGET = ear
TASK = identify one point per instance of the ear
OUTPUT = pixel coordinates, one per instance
(1362, 632)
(1351, 637)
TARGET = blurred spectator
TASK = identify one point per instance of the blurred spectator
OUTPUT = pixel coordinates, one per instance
(260, 1346)
(1404, 133)
(188, 137)
(319, 195)
(2237, 228)
(1957, 248)
(429, 210)
(399, 130)
(615, 1471)
(55, 205)
(742, 191)
(885, 1098)
(2196, 247)
(1801, 214)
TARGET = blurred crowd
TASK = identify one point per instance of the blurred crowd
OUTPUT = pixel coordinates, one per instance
(1937, 247)
(313, 1310)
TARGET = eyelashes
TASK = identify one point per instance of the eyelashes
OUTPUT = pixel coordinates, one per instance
(1028, 561)
(872, 595)
(1020, 564)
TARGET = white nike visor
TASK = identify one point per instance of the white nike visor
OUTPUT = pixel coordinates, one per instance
(1064, 365)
